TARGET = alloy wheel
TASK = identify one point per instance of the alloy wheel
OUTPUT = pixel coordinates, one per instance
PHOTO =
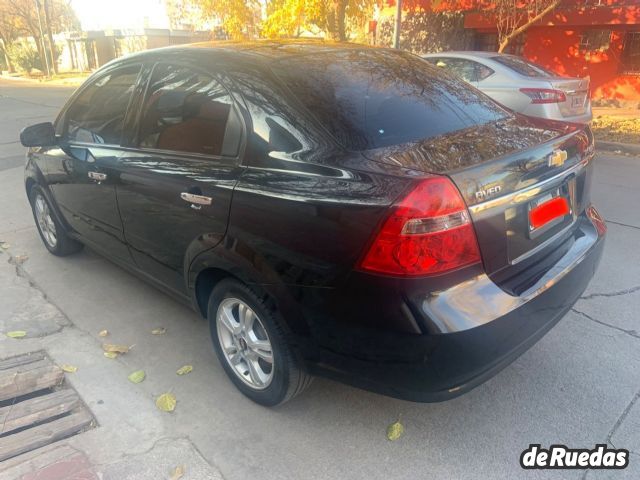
(45, 221)
(245, 343)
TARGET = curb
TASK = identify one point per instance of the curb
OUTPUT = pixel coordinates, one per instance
(619, 148)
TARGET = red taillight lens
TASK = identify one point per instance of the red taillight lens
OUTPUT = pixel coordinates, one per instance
(547, 211)
(544, 95)
(428, 232)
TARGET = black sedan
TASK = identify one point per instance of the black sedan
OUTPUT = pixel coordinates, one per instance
(332, 210)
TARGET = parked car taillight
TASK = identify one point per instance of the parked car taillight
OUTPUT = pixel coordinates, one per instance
(544, 95)
(428, 232)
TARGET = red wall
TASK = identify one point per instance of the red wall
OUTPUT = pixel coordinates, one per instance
(557, 48)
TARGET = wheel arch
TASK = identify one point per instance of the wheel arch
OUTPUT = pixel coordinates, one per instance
(219, 263)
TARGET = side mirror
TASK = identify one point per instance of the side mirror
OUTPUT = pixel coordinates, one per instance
(39, 135)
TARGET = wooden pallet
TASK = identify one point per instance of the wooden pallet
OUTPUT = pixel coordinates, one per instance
(36, 408)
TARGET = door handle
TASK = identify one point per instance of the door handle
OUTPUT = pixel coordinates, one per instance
(196, 201)
(99, 177)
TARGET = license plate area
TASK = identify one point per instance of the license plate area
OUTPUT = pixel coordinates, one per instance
(577, 102)
(549, 210)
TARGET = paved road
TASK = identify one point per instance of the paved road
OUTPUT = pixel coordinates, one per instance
(578, 386)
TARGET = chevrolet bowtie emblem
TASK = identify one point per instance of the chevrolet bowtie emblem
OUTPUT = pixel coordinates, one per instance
(557, 158)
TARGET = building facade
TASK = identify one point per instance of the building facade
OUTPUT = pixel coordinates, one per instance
(595, 38)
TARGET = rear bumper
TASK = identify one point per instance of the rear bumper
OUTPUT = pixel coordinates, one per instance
(552, 111)
(473, 330)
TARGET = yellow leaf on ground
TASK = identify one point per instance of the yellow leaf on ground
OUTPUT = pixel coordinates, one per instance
(17, 334)
(159, 331)
(103, 333)
(137, 376)
(184, 370)
(395, 431)
(110, 355)
(166, 402)
(177, 473)
(20, 259)
(4, 245)
(69, 368)
(109, 347)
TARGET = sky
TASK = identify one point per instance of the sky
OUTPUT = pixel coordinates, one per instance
(120, 14)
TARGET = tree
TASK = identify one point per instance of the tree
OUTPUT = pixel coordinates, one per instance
(21, 18)
(278, 18)
(514, 17)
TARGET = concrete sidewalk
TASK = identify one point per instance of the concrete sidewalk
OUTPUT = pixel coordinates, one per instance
(133, 440)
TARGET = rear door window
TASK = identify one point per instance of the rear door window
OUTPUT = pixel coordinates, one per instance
(97, 114)
(188, 111)
(523, 67)
(375, 98)
(468, 70)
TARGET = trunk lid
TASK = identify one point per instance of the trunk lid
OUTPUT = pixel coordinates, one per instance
(503, 170)
(577, 92)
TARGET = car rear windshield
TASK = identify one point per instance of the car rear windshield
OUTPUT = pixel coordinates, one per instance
(376, 98)
(524, 67)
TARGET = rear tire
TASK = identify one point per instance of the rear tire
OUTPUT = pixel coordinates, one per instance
(251, 345)
(51, 232)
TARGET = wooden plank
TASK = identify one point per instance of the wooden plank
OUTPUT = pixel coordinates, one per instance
(42, 435)
(16, 361)
(37, 409)
(29, 378)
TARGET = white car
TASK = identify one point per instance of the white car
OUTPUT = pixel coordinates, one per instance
(520, 85)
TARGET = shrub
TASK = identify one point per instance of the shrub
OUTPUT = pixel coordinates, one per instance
(24, 55)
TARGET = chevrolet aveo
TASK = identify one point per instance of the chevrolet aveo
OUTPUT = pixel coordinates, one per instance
(333, 210)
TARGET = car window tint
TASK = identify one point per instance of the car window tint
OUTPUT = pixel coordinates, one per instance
(523, 67)
(188, 111)
(375, 98)
(465, 69)
(276, 127)
(97, 114)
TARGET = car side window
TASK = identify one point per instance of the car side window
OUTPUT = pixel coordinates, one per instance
(97, 114)
(468, 70)
(190, 112)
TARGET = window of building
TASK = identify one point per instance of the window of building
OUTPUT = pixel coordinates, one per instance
(188, 111)
(97, 115)
(631, 54)
(487, 42)
(516, 46)
(595, 40)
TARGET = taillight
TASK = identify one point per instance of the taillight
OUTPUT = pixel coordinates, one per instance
(429, 231)
(544, 95)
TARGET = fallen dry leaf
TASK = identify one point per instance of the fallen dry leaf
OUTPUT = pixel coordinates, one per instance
(184, 370)
(69, 368)
(103, 333)
(20, 259)
(111, 355)
(137, 376)
(177, 473)
(17, 334)
(395, 431)
(159, 331)
(110, 347)
(166, 402)
(4, 245)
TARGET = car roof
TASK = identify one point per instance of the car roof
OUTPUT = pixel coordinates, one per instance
(467, 54)
(260, 50)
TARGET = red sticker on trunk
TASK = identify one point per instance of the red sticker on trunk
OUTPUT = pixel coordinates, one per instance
(547, 211)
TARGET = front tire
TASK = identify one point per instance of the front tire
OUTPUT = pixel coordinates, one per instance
(251, 345)
(51, 232)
